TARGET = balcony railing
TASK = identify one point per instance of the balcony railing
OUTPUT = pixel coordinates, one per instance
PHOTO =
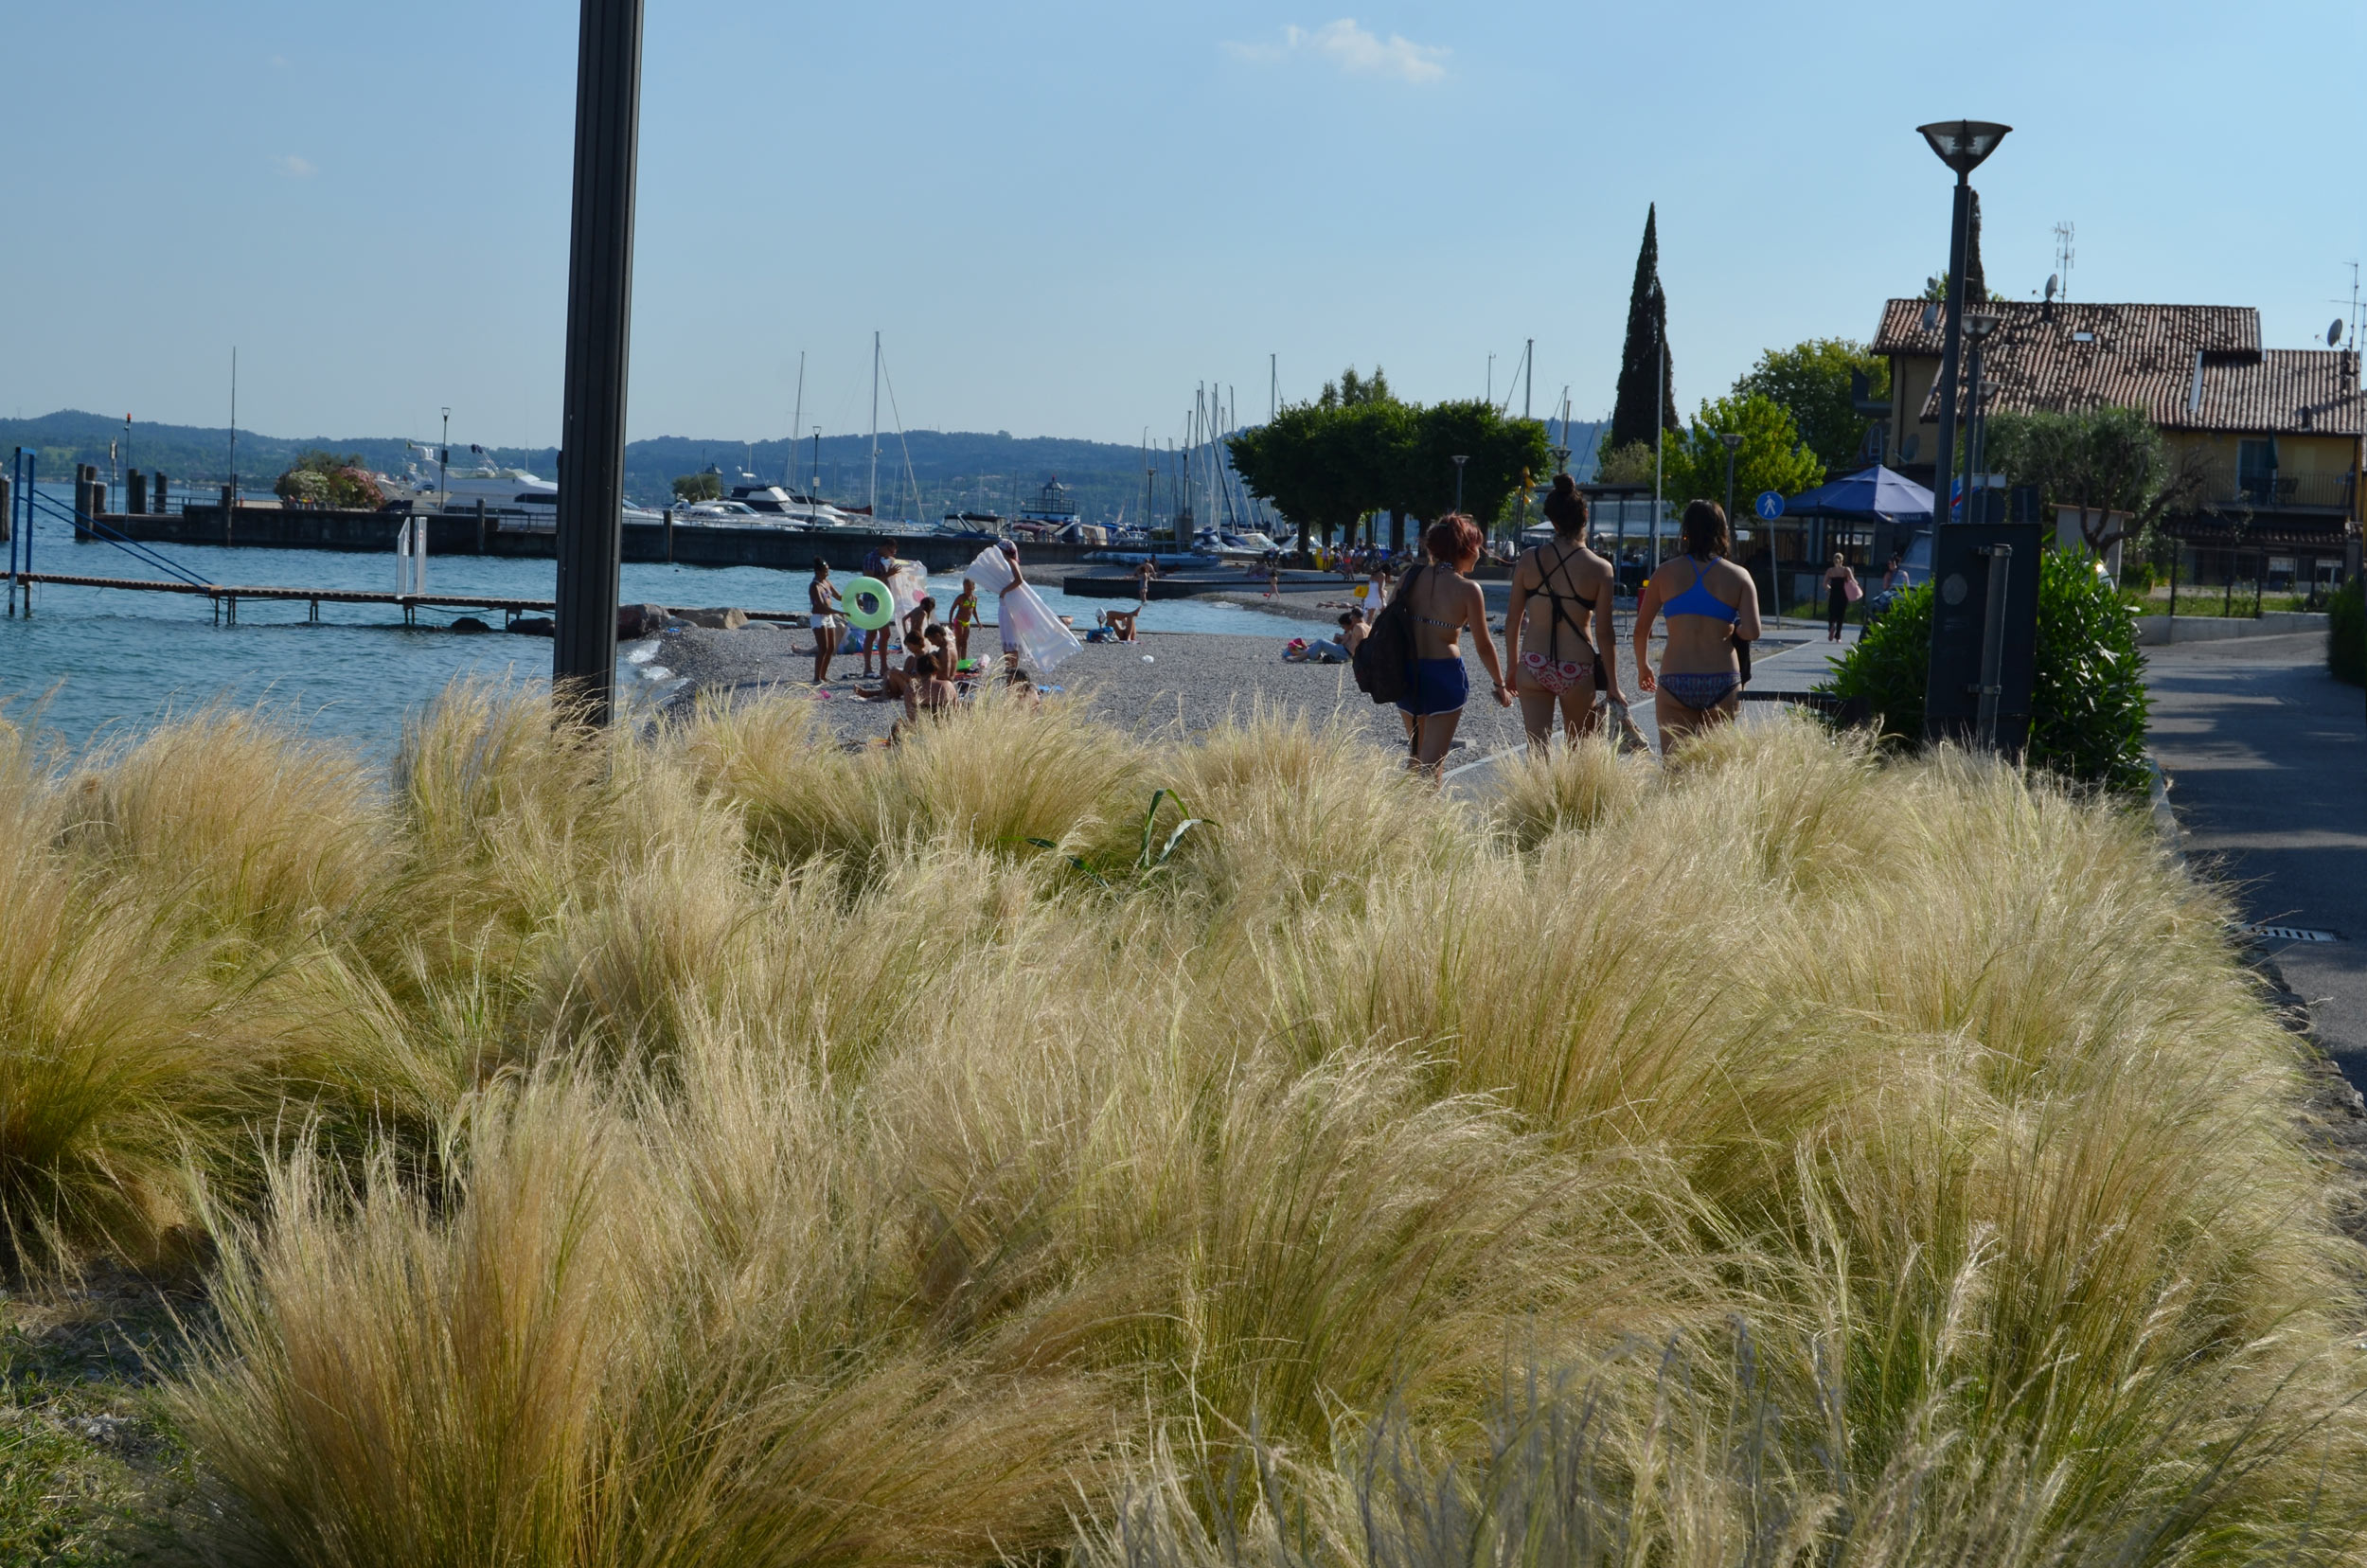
(2225, 485)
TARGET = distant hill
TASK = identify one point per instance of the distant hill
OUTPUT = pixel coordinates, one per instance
(953, 471)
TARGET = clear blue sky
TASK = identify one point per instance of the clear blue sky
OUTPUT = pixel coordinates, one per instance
(1064, 216)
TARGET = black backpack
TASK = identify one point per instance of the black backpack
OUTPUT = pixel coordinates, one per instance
(1384, 660)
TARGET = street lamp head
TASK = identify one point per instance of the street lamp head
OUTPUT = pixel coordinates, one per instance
(1979, 325)
(1459, 461)
(1963, 144)
(1732, 438)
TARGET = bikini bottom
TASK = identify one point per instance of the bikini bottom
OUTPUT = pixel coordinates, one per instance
(1559, 675)
(1700, 692)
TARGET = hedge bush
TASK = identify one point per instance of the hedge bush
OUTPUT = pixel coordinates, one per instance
(2346, 635)
(2087, 706)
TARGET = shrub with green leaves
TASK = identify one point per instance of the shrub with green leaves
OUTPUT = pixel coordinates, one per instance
(2346, 635)
(2087, 703)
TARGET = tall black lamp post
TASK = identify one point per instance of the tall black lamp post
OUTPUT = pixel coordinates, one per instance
(1458, 481)
(1977, 326)
(599, 314)
(1962, 145)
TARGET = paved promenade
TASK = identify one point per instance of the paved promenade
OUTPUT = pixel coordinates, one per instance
(2264, 751)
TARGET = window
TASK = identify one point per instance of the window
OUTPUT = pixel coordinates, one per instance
(2256, 468)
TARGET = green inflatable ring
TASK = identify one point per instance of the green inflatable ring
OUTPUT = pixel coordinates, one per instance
(856, 592)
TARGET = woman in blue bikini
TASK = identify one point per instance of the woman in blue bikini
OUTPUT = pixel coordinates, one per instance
(1443, 601)
(1713, 608)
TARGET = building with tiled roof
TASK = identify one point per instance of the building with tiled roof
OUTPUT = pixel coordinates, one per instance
(2277, 432)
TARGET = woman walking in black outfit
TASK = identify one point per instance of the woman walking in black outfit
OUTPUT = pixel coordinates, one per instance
(1841, 587)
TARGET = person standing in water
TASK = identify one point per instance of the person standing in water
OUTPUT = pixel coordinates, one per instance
(828, 620)
(1557, 590)
(1443, 602)
(1713, 608)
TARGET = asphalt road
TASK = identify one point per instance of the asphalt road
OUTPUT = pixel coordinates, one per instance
(2264, 751)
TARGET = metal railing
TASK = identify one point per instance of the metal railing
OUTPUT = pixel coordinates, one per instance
(2225, 484)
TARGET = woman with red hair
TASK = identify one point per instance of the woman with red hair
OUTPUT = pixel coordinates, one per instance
(1442, 602)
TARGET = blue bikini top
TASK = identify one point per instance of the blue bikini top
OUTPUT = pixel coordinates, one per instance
(1697, 600)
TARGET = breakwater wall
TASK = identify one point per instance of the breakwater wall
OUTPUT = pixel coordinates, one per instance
(462, 533)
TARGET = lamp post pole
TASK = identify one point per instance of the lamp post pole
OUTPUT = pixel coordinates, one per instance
(599, 318)
(1962, 145)
(1458, 482)
(1978, 327)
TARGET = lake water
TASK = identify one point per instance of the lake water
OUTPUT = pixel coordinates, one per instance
(93, 659)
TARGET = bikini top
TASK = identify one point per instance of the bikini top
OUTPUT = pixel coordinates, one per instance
(1545, 585)
(1407, 595)
(1697, 600)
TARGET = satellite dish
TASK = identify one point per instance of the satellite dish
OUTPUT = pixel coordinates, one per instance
(2334, 334)
(1930, 315)
(2054, 281)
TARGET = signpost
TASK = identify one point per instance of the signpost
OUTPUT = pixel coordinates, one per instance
(1770, 505)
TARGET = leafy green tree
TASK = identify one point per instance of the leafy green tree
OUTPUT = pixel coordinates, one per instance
(1646, 400)
(1626, 465)
(699, 487)
(1502, 454)
(1351, 390)
(1326, 464)
(1816, 383)
(1772, 456)
(2103, 461)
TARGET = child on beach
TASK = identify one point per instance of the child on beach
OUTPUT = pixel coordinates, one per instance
(965, 616)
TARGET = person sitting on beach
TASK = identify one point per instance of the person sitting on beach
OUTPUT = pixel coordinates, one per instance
(1444, 603)
(1120, 622)
(965, 616)
(828, 620)
(1713, 607)
(916, 623)
(896, 684)
(1340, 649)
(1557, 589)
(930, 690)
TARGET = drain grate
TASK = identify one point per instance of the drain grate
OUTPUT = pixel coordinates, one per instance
(2293, 933)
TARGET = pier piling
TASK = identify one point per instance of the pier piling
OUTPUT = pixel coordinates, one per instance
(136, 491)
(158, 503)
(229, 506)
(480, 525)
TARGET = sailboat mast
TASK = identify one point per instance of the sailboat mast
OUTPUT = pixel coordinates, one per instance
(797, 423)
(1528, 376)
(875, 428)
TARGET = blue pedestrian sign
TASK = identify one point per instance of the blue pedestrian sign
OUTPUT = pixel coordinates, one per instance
(1770, 505)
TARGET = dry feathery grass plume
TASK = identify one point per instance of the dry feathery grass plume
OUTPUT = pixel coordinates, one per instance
(714, 1145)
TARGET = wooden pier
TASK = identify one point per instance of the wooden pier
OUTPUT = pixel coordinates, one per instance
(226, 597)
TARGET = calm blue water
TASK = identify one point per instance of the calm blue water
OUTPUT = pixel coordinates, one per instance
(95, 659)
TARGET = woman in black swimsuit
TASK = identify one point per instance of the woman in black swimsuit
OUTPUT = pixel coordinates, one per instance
(1556, 589)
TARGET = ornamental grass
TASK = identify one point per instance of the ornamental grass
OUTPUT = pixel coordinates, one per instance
(1045, 1142)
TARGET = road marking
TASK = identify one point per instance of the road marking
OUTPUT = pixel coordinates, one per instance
(2292, 934)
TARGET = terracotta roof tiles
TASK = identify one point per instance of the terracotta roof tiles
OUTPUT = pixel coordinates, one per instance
(2188, 367)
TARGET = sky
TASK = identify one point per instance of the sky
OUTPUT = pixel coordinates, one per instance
(1063, 218)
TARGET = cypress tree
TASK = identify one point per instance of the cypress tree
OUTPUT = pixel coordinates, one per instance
(1976, 282)
(1644, 376)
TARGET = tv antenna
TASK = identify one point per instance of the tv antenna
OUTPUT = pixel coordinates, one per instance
(2352, 306)
(2064, 232)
